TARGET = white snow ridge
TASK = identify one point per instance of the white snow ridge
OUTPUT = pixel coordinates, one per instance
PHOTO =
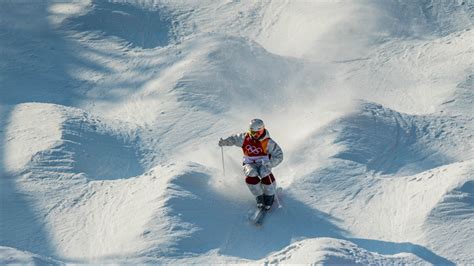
(110, 114)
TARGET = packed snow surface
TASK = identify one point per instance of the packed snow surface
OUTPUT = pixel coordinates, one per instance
(110, 113)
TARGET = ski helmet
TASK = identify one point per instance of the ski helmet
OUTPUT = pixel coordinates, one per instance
(256, 124)
(256, 127)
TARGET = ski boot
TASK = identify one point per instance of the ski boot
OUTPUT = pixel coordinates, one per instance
(268, 201)
(260, 202)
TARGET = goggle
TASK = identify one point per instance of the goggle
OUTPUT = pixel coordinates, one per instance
(257, 133)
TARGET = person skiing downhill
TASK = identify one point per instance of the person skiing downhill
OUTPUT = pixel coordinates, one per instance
(261, 154)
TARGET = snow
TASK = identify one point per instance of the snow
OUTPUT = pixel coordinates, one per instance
(110, 113)
(13, 256)
(334, 251)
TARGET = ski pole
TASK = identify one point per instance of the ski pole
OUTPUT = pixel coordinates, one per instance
(276, 194)
(222, 154)
(275, 188)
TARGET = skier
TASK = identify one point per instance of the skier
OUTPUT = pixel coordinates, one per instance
(261, 154)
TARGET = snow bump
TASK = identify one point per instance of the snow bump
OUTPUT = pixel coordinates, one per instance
(52, 139)
(135, 25)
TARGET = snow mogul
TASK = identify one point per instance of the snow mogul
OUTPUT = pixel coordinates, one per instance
(261, 154)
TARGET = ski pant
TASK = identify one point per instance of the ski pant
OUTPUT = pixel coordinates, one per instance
(259, 179)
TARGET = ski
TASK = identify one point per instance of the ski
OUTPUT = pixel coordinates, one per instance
(258, 217)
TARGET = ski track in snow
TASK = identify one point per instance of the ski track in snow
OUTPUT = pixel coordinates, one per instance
(110, 112)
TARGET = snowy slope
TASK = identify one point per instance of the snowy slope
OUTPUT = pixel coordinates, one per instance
(110, 112)
(13, 256)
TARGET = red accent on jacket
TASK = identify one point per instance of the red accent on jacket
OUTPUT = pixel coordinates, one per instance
(254, 147)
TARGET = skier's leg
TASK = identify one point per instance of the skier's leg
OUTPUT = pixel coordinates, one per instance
(269, 184)
(268, 180)
(253, 183)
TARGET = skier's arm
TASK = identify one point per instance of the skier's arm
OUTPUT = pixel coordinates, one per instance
(234, 140)
(276, 153)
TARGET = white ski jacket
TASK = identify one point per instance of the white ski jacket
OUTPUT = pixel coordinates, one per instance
(273, 150)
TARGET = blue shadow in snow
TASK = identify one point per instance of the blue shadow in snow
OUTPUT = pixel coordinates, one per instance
(138, 27)
(208, 221)
(391, 248)
(37, 63)
(100, 154)
(386, 141)
(468, 190)
(295, 221)
(21, 227)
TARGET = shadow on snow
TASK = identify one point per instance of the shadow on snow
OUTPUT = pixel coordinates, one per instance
(21, 226)
(210, 221)
(138, 27)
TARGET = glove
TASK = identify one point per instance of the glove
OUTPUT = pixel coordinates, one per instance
(224, 142)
